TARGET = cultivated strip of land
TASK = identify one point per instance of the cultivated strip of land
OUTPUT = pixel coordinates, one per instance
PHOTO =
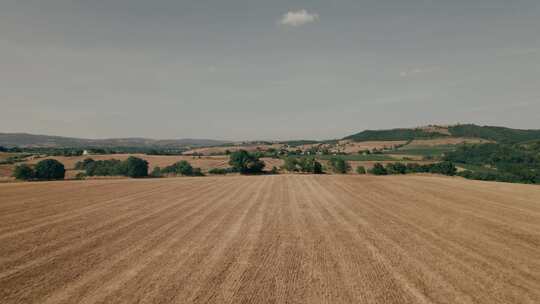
(270, 239)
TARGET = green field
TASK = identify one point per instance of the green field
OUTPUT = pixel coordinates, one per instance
(434, 151)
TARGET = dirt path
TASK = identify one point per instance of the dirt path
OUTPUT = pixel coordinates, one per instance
(270, 239)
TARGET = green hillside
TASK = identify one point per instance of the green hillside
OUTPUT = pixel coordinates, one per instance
(498, 134)
(394, 134)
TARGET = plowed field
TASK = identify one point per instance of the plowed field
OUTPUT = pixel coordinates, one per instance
(270, 239)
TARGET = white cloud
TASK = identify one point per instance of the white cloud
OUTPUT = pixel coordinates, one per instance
(298, 18)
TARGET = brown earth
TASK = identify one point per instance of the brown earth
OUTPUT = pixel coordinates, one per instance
(4, 155)
(6, 171)
(270, 239)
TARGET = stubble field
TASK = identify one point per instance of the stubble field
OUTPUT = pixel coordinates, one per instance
(270, 239)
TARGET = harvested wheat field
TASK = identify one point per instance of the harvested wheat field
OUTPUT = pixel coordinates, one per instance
(270, 239)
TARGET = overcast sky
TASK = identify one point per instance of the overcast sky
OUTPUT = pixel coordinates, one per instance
(247, 69)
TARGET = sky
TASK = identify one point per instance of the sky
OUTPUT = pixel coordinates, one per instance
(254, 70)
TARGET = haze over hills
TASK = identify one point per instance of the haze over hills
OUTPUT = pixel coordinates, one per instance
(31, 140)
(491, 133)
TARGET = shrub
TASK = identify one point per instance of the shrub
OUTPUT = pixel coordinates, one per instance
(304, 164)
(197, 172)
(360, 170)
(220, 171)
(339, 165)
(182, 168)
(81, 165)
(245, 162)
(291, 164)
(156, 172)
(378, 169)
(414, 168)
(80, 176)
(24, 172)
(466, 174)
(310, 165)
(50, 169)
(396, 168)
(446, 168)
(274, 170)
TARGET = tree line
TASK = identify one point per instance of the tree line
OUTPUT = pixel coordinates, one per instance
(443, 168)
(241, 161)
(516, 163)
(47, 169)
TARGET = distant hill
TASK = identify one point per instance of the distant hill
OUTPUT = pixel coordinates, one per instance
(31, 140)
(498, 134)
(493, 133)
(394, 134)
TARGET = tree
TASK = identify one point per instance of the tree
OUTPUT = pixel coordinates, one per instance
(378, 169)
(219, 171)
(245, 162)
(184, 168)
(180, 168)
(50, 169)
(339, 165)
(360, 170)
(23, 172)
(136, 167)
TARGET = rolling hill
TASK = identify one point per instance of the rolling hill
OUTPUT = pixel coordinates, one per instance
(492, 133)
(31, 140)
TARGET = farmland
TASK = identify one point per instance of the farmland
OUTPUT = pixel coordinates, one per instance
(203, 162)
(270, 239)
